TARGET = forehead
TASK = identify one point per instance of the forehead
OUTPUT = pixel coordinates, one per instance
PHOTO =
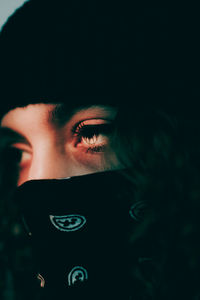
(54, 114)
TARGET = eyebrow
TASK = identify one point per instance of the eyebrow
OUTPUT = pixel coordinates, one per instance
(9, 136)
(62, 113)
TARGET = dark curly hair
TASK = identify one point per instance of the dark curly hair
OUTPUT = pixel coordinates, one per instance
(161, 155)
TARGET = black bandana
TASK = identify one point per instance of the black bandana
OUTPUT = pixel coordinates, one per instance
(79, 228)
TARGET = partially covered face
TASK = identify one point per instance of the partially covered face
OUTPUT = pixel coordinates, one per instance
(56, 143)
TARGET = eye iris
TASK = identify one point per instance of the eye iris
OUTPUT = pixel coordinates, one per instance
(93, 134)
(90, 140)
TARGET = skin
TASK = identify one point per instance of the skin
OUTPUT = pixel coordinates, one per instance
(54, 149)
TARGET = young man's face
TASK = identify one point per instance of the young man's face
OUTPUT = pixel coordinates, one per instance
(59, 145)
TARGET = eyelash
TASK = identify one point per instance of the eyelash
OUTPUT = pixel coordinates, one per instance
(81, 130)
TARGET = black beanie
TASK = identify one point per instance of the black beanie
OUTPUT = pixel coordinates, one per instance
(77, 53)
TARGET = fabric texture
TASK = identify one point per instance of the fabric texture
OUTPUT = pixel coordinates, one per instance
(78, 228)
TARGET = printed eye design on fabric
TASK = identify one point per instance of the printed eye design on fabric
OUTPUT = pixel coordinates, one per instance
(77, 275)
(68, 222)
(137, 211)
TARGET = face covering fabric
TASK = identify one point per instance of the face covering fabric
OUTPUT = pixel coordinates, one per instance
(78, 229)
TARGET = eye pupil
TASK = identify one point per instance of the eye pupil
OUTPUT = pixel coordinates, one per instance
(93, 136)
(89, 131)
(89, 134)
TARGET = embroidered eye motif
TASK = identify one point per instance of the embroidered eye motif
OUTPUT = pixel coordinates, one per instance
(77, 275)
(68, 222)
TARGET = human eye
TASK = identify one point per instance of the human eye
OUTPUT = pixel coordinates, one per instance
(92, 135)
(22, 153)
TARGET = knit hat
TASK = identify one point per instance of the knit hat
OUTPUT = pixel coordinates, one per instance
(76, 53)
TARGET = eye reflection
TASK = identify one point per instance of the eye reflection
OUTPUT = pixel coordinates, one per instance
(92, 134)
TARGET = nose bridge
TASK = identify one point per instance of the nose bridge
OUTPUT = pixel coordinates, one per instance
(47, 162)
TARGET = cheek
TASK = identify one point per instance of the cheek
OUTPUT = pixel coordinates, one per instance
(96, 161)
(23, 175)
(89, 161)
